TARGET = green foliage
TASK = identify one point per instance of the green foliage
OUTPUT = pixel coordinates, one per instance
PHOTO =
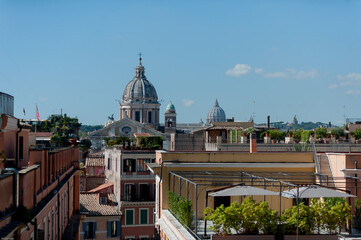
(60, 140)
(306, 219)
(85, 144)
(63, 127)
(153, 142)
(181, 208)
(239, 135)
(356, 223)
(246, 218)
(263, 134)
(321, 132)
(305, 135)
(277, 135)
(356, 133)
(84, 129)
(298, 147)
(338, 132)
(250, 130)
(119, 141)
(266, 218)
(303, 125)
(221, 222)
(297, 134)
(337, 214)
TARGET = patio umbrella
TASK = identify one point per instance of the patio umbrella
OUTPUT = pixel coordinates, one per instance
(242, 191)
(314, 191)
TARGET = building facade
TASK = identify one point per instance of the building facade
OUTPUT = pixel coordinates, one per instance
(134, 188)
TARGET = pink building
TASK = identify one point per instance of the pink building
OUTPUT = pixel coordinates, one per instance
(134, 189)
(39, 188)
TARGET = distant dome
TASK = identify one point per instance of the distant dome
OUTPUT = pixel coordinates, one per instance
(216, 114)
(140, 89)
(170, 108)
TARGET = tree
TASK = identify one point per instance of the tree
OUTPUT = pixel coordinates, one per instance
(338, 132)
(321, 132)
(63, 128)
(356, 133)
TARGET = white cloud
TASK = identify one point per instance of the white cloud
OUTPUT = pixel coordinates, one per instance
(351, 79)
(188, 102)
(353, 92)
(259, 70)
(239, 69)
(293, 74)
(351, 76)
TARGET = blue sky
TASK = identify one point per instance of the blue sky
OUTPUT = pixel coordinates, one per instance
(277, 58)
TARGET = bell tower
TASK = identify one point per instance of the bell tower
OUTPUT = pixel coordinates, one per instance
(170, 119)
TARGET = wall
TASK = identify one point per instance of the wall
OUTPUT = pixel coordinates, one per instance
(93, 182)
(102, 225)
(6, 190)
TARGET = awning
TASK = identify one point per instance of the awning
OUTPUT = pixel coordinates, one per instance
(314, 191)
(242, 191)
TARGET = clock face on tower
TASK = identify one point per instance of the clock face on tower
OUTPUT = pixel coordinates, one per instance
(126, 130)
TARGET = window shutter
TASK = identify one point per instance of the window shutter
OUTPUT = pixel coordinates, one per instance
(85, 229)
(118, 228)
(133, 192)
(95, 228)
(109, 229)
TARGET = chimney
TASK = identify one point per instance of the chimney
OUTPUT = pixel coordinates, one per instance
(252, 143)
(268, 121)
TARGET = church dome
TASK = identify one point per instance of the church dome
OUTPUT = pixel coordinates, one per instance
(216, 114)
(140, 89)
(170, 108)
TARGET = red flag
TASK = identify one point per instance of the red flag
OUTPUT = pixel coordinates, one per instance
(37, 113)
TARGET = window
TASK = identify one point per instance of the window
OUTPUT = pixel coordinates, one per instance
(103, 200)
(144, 192)
(114, 229)
(89, 229)
(129, 192)
(137, 116)
(129, 165)
(129, 217)
(170, 121)
(142, 164)
(154, 215)
(143, 238)
(143, 216)
(149, 117)
(154, 192)
(116, 164)
(109, 163)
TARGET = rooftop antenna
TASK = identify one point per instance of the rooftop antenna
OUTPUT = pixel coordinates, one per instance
(254, 111)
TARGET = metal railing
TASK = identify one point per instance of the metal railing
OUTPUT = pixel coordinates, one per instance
(271, 147)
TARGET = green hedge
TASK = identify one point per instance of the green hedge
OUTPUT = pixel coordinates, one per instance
(181, 208)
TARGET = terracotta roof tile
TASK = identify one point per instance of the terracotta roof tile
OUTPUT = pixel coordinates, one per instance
(94, 162)
(89, 205)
